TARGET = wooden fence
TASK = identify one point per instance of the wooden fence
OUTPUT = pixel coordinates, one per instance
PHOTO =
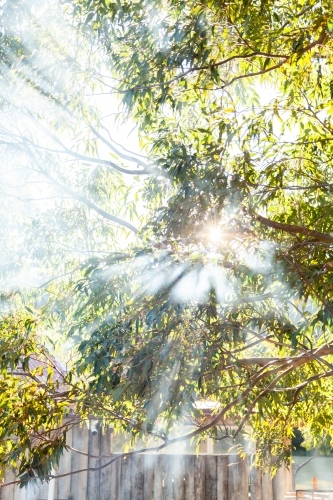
(151, 476)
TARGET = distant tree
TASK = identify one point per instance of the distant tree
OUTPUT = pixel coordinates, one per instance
(226, 294)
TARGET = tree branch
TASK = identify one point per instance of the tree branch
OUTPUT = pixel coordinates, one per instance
(85, 201)
(88, 159)
(284, 58)
(294, 229)
(91, 205)
(295, 361)
(320, 41)
(124, 156)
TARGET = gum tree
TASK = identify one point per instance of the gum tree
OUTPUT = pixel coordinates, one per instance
(226, 293)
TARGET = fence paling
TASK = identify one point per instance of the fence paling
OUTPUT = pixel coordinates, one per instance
(79, 482)
(93, 480)
(222, 477)
(64, 485)
(105, 474)
(152, 476)
(175, 477)
(211, 478)
(164, 477)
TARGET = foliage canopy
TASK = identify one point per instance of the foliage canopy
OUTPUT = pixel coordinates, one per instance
(225, 295)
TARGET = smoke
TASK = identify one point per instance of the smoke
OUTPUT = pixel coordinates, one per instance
(47, 82)
(197, 284)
